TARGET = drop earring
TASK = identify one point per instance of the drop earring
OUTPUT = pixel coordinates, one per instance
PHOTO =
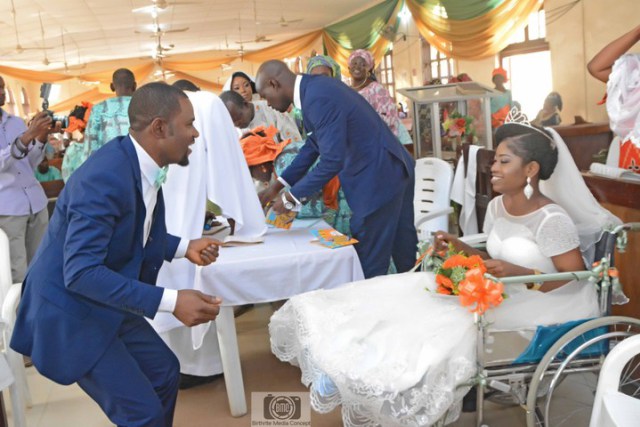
(528, 189)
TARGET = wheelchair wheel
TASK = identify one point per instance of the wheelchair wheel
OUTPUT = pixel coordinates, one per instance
(564, 384)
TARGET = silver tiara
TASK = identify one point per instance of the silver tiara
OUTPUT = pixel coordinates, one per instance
(517, 117)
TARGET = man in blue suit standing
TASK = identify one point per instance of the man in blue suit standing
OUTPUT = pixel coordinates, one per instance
(352, 141)
(93, 277)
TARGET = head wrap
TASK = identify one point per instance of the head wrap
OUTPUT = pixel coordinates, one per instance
(76, 122)
(259, 147)
(327, 61)
(227, 84)
(500, 72)
(365, 55)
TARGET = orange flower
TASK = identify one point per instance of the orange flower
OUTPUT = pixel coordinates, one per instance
(475, 261)
(455, 261)
(444, 281)
(444, 291)
(478, 292)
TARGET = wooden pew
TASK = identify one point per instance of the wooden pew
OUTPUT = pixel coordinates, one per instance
(622, 198)
(52, 189)
(585, 140)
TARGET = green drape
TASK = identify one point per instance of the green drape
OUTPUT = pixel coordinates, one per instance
(460, 10)
(362, 31)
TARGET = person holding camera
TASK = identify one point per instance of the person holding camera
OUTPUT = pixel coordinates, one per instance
(23, 204)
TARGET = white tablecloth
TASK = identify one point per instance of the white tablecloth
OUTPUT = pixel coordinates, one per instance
(286, 264)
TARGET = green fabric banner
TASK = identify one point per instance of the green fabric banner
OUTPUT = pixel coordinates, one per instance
(361, 31)
(460, 10)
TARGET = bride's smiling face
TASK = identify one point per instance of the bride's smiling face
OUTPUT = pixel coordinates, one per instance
(508, 173)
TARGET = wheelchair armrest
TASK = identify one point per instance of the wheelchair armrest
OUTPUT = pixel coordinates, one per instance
(548, 277)
(475, 240)
(432, 215)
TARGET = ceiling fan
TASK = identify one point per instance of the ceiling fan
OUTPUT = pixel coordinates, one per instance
(161, 50)
(258, 39)
(19, 48)
(285, 22)
(157, 30)
(161, 5)
(45, 61)
(68, 68)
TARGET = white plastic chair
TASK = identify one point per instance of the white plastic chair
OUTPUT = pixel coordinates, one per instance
(612, 408)
(431, 201)
(9, 298)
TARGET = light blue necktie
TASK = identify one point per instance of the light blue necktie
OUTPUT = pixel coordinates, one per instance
(161, 177)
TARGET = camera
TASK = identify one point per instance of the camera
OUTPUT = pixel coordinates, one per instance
(45, 90)
(281, 407)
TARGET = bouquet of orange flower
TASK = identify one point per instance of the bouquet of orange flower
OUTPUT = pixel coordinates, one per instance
(461, 275)
(455, 124)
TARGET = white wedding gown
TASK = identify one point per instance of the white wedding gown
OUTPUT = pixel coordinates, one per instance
(394, 354)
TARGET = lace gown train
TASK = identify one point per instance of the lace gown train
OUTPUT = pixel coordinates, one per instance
(393, 354)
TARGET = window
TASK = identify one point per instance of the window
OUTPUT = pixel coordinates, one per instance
(10, 101)
(435, 64)
(24, 100)
(528, 63)
(385, 73)
(529, 39)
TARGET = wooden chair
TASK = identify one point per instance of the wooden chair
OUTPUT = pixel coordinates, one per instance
(585, 140)
(484, 190)
(52, 189)
(56, 162)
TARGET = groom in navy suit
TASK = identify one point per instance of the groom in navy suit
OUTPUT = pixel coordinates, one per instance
(92, 281)
(352, 141)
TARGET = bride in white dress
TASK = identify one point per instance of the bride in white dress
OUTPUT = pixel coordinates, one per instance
(394, 354)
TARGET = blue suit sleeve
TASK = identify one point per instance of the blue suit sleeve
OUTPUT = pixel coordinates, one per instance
(92, 217)
(302, 162)
(330, 132)
(170, 247)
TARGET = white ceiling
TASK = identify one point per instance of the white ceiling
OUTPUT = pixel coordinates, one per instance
(98, 30)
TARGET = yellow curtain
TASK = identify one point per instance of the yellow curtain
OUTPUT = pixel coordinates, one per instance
(93, 96)
(473, 38)
(141, 72)
(32, 76)
(289, 49)
(198, 65)
(203, 84)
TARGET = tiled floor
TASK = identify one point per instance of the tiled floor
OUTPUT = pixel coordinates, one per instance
(59, 406)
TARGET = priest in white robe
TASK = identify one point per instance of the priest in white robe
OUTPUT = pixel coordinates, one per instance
(217, 171)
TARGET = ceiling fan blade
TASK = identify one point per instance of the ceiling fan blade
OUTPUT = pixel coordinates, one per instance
(286, 22)
(177, 30)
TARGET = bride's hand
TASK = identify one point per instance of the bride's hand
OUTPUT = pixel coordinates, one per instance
(442, 239)
(500, 268)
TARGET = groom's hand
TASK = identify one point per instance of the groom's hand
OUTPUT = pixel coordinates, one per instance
(193, 307)
(202, 251)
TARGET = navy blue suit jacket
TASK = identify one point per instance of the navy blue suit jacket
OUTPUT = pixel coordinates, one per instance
(352, 142)
(91, 267)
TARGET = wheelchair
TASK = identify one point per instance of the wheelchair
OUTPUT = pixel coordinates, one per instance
(554, 380)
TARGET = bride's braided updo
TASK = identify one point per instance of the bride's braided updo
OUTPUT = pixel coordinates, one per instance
(531, 144)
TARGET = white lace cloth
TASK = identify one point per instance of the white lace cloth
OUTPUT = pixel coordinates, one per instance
(393, 354)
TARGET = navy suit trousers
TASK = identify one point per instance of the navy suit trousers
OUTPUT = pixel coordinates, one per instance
(136, 381)
(387, 233)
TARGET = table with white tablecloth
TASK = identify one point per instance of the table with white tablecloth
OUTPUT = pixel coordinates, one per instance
(286, 264)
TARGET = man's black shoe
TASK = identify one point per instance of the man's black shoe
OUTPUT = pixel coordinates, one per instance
(190, 381)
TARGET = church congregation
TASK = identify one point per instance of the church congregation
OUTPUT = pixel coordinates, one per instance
(211, 226)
